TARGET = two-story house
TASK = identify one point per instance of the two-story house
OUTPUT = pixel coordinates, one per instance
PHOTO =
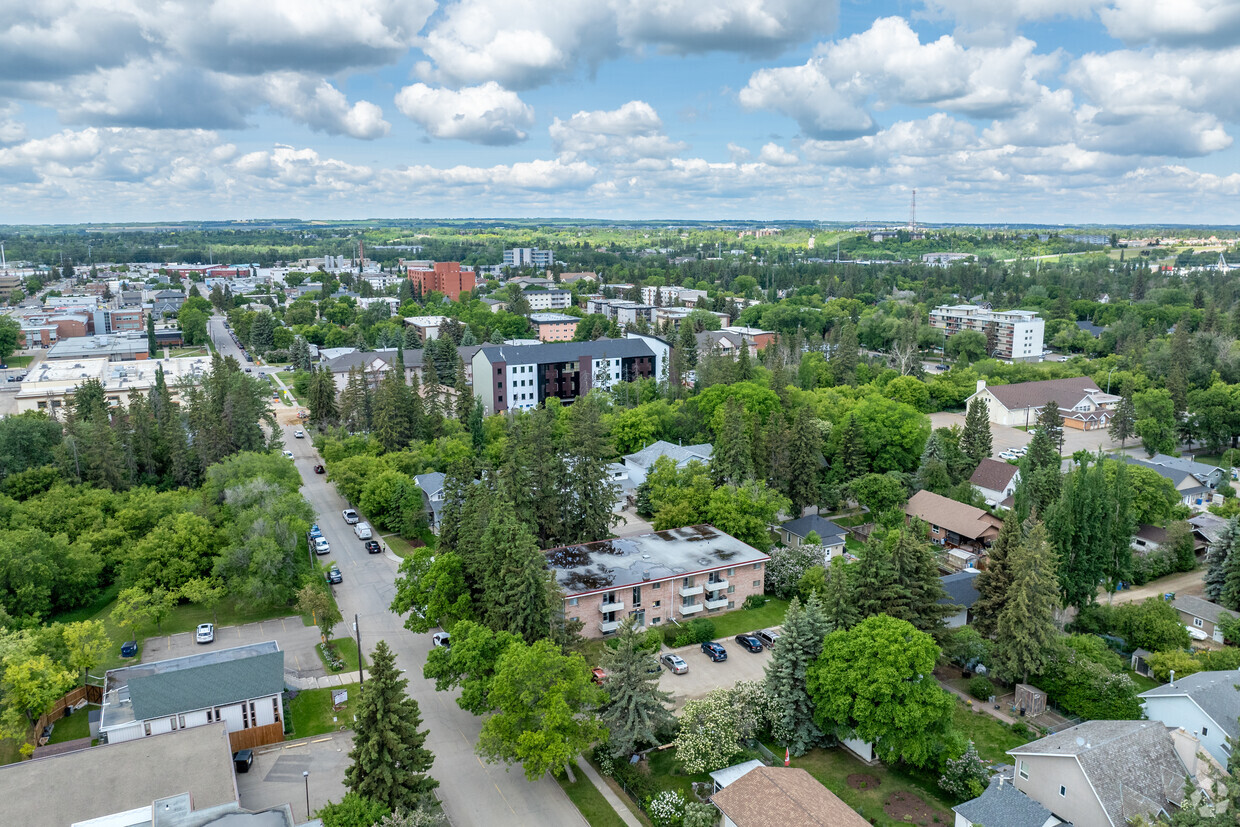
(1206, 704)
(1103, 773)
(640, 462)
(240, 687)
(655, 578)
(965, 531)
(431, 486)
(996, 481)
(793, 533)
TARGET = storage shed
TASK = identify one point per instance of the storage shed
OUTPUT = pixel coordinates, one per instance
(1030, 701)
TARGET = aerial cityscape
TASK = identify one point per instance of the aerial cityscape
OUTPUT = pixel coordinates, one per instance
(761, 413)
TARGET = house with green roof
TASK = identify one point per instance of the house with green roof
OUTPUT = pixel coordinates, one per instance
(239, 687)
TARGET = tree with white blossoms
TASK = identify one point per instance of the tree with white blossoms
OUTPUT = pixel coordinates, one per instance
(788, 565)
(753, 705)
(792, 710)
(699, 814)
(666, 809)
(965, 777)
(709, 736)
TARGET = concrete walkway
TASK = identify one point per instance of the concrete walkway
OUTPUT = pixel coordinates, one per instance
(335, 681)
(622, 809)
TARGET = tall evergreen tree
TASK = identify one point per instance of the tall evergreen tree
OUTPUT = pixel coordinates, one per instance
(772, 451)
(918, 589)
(1181, 359)
(804, 454)
(1123, 421)
(846, 355)
(744, 365)
(731, 461)
(457, 482)
(1051, 421)
(839, 602)
(1217, 554)
(792, 709)
(932, 472)
(1040, 478)
(994, 581)
(874, 585)
(322, 401)
(687, 346)
(391, 412)
(590, 492)
(975, 439)
(1026, 634)
(463, 397)
(152, 348)
(515, 585)
(355, 402)
(1078, 528)
(636, 709)
(851, 460)
(390, 760)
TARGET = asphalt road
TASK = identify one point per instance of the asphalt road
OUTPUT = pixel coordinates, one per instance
(473, 793)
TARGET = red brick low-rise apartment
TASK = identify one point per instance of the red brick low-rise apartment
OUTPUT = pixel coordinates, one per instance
(679, 574)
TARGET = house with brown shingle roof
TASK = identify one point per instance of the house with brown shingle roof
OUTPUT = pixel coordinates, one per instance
(782, 797)
(1082, 404)
(995, 480)
(965, 531)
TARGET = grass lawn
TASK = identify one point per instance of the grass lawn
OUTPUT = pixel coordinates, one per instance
(187, 351)
(287, 377)
(833, 766)
(19, 361)
(589, 801)
(668, 774)
(992, 737)
(346, 647)
(1143, 683)
(72, 727)
(749, 620)
(399, 545)
(311, 712)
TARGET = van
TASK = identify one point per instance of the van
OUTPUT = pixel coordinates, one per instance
(362, 530)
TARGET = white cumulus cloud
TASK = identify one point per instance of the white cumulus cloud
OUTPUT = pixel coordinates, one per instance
(634, 131)
(486, 114)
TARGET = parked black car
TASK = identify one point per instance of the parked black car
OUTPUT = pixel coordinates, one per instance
(715, 651)
(129, 648)
(334, 575)
(749, 642)
(372, 547)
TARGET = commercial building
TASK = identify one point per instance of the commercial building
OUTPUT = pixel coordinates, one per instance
(121, 347)
(655, 578)
(1082, 406)
(528, 257)
(239, 687)
(447, 277)
(8, 283)
(47, 386)
(520, 377)
(1011, 334)
(554, 327)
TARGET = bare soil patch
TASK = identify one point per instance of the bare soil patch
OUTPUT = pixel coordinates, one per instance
(908, 808)
(861, 781)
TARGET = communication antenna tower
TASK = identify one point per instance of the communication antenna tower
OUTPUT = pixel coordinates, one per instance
(912, 212)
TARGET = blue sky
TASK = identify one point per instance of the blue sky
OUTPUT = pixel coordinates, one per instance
(1023, 110)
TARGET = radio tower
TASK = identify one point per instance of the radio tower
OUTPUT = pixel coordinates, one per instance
(912, 212)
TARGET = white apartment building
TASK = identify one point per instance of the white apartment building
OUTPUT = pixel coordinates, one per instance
(528, 257)
(548, 299)
(668, 296)
(622, 311)
(1018, 333)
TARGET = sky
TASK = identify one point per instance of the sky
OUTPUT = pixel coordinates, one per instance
(995, 111)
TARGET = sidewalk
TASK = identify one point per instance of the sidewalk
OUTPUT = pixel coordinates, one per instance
(603, 787)
(325, 682)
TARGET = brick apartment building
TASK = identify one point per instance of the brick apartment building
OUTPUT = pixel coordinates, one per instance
(654, 578)
(446, 277)
(554, 327)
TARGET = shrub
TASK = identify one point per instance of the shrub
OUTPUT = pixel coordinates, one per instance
(1020, 729)
(964, 777)
(703, 630)
(981, 688)
(755, 601)
(667, 809)
(698, 814)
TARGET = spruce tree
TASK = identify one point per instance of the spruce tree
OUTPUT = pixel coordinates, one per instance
(804, 454)
(464, 399)
(391, 412)
(355, 403)
(873, 585)
(732, 461)
(151, 347)
(1040, 478)
(846, 355)
(744, 366)
(322, 401)
(932, 472)
(687, 347)
(515, 583)
(1078, 527)
(851, 460)
(636, 709)
(389, 758)
(839, 602)
(1123, 421)
(918, 588)
(994, 581)
(590, 493)
(1050, 421)
(792, 709)
(1181, 359)
(975, 439)
(1026, 634)
(772, 452)
(1217, 555)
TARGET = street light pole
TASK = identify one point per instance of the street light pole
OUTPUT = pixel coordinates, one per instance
(305, 774)
(1109, 372)
(358, 631)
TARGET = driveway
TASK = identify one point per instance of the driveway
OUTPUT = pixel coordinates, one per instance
(1004, 438)
(472, 792)
(276, 777)
(1183, 583)
(705, 676)
(295, 638)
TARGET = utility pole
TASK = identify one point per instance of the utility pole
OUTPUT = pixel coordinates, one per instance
(358, 631)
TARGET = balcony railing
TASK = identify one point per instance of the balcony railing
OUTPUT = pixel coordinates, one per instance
(719, 603)
(608, 626)
(690, 591)
(716, 585)
(691, 610)
(616, 606)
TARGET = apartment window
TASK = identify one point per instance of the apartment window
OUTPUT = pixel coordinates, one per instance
(1197, 622)
(217, 714)
(732, 572)
(687, 582)
(501, 397)
(1205, 730)
(656, 621)
(731, 604)
(499, 371)
(658, 603)
(501, 386)
(757, 567)
(656, 586)
(731, 589)
(575, 618)
(757, 583)
(1024, 769)
(637, 595)
(1063, 791)
(572, 601)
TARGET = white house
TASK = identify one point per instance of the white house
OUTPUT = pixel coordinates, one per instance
(1206, 704)
(640, 463)
(995, 480)
(240, 687)
(1082, 405)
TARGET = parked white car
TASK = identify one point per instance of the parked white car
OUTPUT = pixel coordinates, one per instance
(1008, 455)
(205, 633)
(362, 530)
(321, 546)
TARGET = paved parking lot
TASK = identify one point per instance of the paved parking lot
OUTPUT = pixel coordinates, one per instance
(276, 777)
(1004, 438)
(295, 638)
(705, 675)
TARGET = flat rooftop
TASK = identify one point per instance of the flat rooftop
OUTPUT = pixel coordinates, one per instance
(86, 347)
(659, 555)
(547, 318)
(99, 781)
(65, 374)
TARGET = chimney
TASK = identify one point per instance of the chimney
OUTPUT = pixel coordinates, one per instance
(981, 385)
(1172, 676)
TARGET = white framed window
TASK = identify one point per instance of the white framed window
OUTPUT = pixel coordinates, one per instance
(1024, 769)
(1205, 730)
(1063, 791)
(572, 601)
(1197, 622)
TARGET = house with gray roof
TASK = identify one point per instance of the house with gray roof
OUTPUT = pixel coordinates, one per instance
(1103, 773)
(240, 687)
(1003, 804)
(792, 533)
(1210, 475)
(640, 462)
(1194, 491)
(1201, 617)
(961, 588)
(1206, 704)
(431, 485)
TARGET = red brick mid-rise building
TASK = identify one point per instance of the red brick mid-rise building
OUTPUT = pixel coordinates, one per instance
(447, 277)
(679, 574)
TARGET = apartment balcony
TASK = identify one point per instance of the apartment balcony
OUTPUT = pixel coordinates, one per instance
(617, 606)
(716, 585)
(690, 591)
(691, 610)
(717, 603)
(608, 626)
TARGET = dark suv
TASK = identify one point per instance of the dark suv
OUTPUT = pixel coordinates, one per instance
(749, 642)
(715, 651)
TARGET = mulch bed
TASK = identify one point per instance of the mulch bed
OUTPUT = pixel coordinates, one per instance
(907, 807)
(861, 781)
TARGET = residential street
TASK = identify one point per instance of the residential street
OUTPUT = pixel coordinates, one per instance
(473, 793)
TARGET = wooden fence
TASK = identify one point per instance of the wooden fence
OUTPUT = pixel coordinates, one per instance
(89, 693)
(256, 736)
